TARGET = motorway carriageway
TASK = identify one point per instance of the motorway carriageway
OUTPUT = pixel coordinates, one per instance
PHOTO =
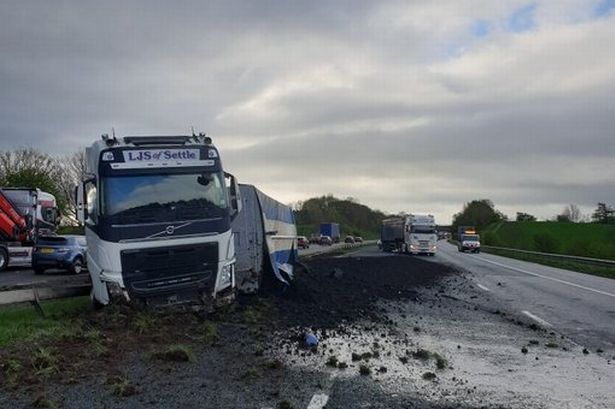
(578, 305)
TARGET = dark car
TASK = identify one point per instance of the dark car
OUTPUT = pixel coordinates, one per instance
(314, 239)
(63, 252)
(302, 242)
(349, 239)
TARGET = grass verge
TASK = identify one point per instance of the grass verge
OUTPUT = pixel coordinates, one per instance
(602, 271)
(21, 323)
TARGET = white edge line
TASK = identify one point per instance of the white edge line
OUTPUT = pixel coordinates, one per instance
(482, 287)
(537, 319)
(318, 401)
(545, 277)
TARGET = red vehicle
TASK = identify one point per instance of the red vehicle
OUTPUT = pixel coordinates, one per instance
(25, 213)
(302, 242)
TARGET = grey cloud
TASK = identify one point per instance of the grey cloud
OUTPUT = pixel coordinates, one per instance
(305, 98)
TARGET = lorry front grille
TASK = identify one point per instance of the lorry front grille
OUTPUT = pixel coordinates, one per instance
(170, 270)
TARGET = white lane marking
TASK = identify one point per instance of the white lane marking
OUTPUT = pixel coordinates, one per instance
(537, 319)
(482, 287)
(318, 401)
(545, 277)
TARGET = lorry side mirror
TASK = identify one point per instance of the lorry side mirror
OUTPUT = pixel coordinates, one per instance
(234, 194)
(80, 202)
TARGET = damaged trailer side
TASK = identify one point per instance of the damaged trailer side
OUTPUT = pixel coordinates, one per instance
(265, 237)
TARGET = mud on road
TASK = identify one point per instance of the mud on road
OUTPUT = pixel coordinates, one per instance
(395, 332)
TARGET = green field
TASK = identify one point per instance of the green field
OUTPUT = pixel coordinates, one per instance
(577, 239)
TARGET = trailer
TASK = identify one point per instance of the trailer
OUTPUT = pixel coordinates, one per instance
(392, 234)
(265, 241)
(25, 214)
(332, 230)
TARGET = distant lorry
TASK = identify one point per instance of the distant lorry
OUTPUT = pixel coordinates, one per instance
(468, 239)
(157, 213)
(265, 240)
(392, 234)
(25, 214)
(332, 230)
(421, 235)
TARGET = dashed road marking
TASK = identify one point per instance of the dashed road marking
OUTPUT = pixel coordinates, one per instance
(537, 319)
(482, 287)
(546, 277)
(318, 401)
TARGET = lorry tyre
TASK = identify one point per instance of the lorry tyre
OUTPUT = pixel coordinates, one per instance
(96, 305)
(77, 266)
(4, 259)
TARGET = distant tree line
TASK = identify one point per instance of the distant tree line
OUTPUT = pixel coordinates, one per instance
(604, 214)
(354, 218)
(478, 213)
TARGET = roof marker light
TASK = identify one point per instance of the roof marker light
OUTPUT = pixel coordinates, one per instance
(108, 157)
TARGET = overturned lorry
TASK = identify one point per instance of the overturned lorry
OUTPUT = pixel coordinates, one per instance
(265, 241)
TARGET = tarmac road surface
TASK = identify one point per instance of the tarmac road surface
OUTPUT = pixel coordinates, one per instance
(578, 305)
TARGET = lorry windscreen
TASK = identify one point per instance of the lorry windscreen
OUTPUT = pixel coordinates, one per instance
(470, 237)
(423, 229)
(165, 197)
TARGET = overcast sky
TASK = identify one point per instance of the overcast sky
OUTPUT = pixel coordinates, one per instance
(414, 106)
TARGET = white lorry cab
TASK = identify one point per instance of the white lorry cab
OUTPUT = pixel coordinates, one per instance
(421, 234)
(157, 212)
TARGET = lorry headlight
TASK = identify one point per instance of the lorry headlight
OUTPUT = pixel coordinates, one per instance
(226, 275)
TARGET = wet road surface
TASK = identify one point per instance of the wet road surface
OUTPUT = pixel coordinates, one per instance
(578, 305)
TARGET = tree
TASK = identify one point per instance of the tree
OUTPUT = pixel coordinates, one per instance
(28, 167)
(562, 218)
(603, 214)
(477, 213)
(571, 213)
(525, 217)
(73, 168)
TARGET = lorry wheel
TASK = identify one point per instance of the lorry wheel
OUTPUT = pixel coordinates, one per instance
(4, 259)
(96, 305)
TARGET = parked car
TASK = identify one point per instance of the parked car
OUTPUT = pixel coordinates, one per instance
(302, 242)
(358, 239)
(63, 252)
(349, 239)
(326, 241)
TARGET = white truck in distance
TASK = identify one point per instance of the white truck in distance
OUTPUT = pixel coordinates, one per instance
(157, 213)
(421, 234)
